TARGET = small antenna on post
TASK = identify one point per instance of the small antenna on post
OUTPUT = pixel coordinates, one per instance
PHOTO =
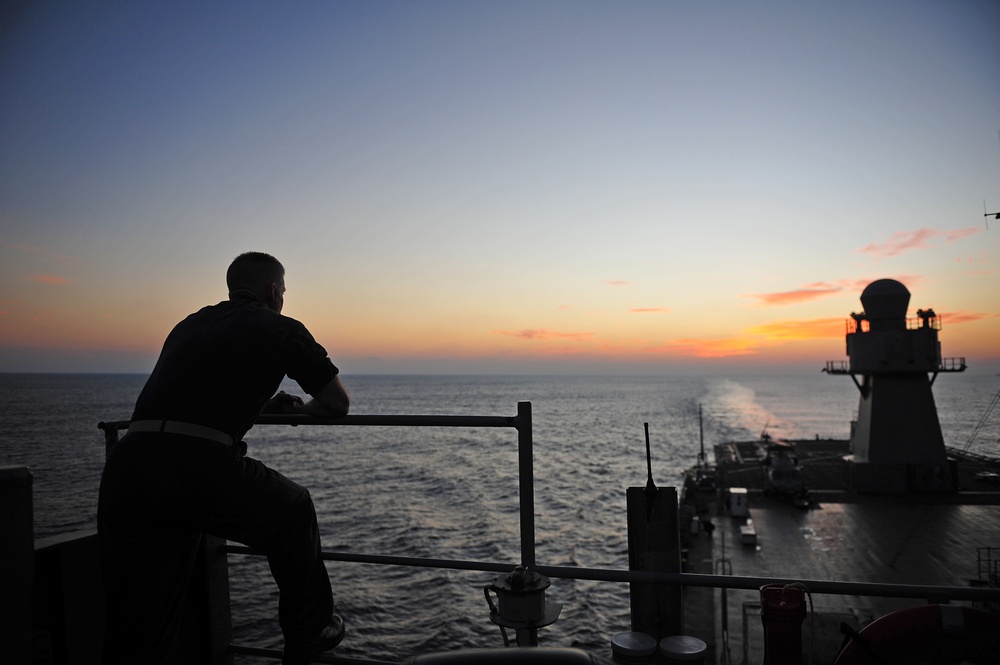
(650, 485)
(701, 439)
(986, 215)
(654, 546)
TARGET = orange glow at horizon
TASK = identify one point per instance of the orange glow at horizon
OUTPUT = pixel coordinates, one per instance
(826, 328)
(544, 334)
(68, 324)
(708, 348)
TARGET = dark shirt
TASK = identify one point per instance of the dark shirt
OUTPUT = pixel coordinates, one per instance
(220, 366)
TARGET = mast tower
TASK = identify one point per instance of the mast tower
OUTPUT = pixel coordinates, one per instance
(896, 442)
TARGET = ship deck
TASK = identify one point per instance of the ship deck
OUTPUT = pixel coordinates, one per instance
(913, 539)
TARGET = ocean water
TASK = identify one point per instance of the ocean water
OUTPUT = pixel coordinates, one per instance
(452, 493)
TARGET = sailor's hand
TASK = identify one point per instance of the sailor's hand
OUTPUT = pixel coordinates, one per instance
(283, 403)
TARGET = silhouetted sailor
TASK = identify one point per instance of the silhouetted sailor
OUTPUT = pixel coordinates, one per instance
(181, 471)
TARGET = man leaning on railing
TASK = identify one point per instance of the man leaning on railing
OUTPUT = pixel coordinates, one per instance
(181, 470)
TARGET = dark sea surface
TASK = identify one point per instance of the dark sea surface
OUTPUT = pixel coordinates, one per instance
(452, 493)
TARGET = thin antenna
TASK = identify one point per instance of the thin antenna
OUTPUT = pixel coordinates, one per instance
(650, 492)
(650, 485)
(986, 215)
(701, 439)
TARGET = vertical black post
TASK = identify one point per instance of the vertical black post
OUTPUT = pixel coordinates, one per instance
(526, 484)
(654, 546)
(17, 562)
(526, 491)
(220, 616)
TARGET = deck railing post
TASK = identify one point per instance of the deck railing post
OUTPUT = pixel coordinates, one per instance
(526, 484)
(220, 617)
(654, 546)
(17, 568)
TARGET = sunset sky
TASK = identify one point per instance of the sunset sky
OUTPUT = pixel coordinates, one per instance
(500, 187)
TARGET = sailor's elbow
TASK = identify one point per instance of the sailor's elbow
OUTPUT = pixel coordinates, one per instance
(342, 409)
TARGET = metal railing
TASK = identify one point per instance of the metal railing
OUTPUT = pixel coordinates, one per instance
(953, 365)
(863, 325)
(522, 423)
(956, 364)
(837, 367)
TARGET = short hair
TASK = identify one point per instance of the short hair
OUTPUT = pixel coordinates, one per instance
(253, 271)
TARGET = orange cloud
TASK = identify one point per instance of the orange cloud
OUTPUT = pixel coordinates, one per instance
(617, 282)
(818, 290)
(537, 333)
(808, 292)
(647, 310)
(904, 241)
(964, 317)
(51, 280)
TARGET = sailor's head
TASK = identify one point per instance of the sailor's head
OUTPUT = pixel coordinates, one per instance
(259, 276)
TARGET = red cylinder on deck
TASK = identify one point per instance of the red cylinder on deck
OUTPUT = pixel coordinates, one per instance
(782, 610)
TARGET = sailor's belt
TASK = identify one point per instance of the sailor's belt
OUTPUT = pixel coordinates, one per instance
(176, 427)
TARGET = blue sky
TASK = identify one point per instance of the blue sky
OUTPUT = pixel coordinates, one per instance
(518, 186)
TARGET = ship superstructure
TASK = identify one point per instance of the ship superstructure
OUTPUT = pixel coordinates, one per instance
(896, 442)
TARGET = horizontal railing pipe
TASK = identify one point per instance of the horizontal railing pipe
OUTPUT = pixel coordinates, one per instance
(111, 428)
(391, 420)
(878, 589)
(329, 658)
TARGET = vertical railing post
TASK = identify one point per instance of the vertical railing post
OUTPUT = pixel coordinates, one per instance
(526, 483)
(17, 562)
(654, 546)
(220, 615)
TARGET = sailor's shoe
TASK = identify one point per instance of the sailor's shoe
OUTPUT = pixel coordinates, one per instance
(301, 651)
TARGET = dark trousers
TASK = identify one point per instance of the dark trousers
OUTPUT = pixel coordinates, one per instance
(159, 493)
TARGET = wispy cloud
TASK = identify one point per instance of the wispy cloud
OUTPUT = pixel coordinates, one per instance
(922, 238)
(542, 334)
(818, 290)
(51, 280)
(617, 282)
(964, 317)
(808, 292)
(33, 250)
(650, 310)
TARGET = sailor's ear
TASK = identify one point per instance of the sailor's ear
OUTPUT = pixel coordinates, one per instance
(272, 294)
